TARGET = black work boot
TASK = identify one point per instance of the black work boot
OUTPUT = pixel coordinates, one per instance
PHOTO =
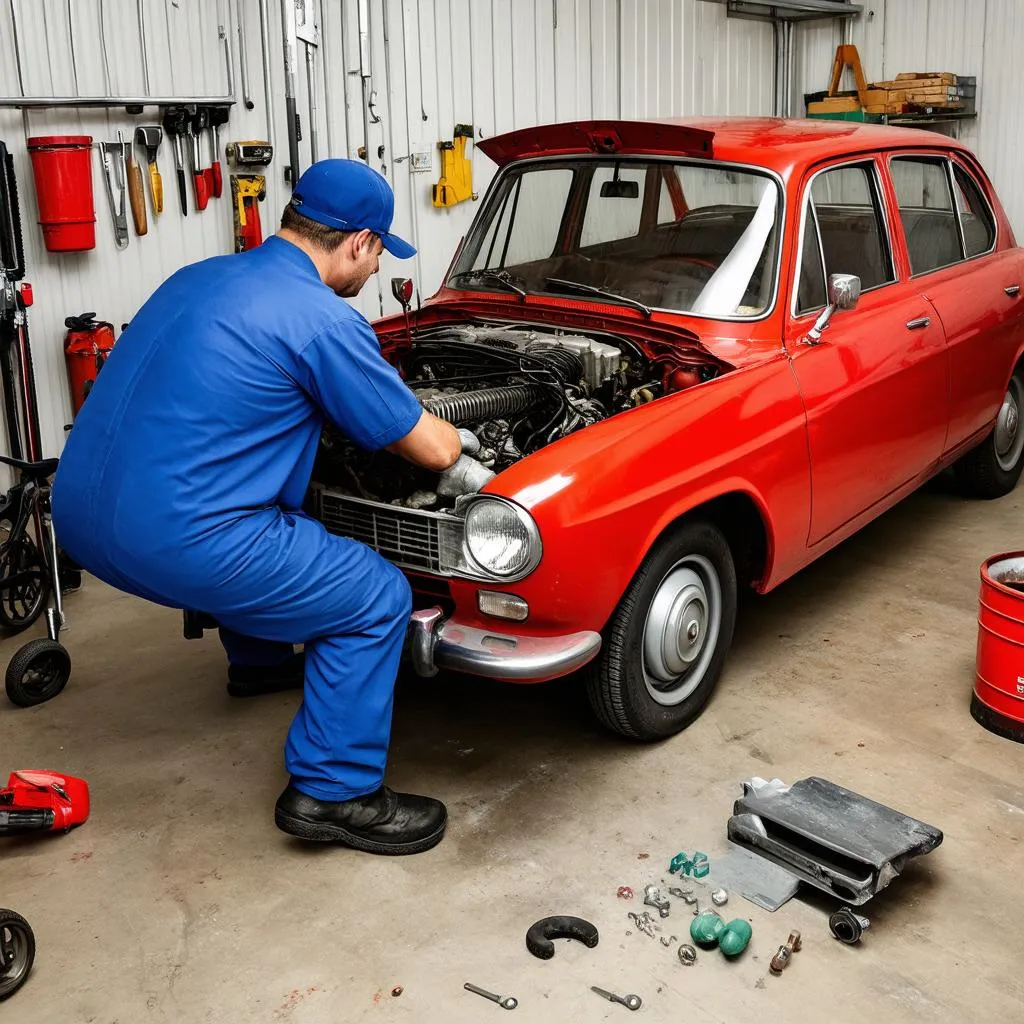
(255, 680)
(384, 822)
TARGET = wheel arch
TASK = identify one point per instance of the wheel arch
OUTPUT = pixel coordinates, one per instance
(746, 526)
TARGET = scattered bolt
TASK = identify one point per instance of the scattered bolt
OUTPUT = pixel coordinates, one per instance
(719, 897)
(667, 942)
(505, 1002)
(785, 953)
(687, 955)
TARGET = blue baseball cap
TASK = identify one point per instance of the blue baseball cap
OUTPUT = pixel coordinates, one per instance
(350, 196)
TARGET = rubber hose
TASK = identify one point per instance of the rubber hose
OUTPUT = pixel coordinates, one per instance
(566, 363)
(485, 404)
(538, 938)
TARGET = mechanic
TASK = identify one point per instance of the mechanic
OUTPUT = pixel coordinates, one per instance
(184, 476)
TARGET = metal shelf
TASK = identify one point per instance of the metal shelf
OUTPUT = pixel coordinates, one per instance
(791, 10)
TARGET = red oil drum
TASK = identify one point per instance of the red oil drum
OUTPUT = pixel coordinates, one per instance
(62, 169)
(998, 701)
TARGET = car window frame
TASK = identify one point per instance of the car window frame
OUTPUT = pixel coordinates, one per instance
(882, 207)
(973, 178)
(931, 157)
(950, 158)
(782, 214)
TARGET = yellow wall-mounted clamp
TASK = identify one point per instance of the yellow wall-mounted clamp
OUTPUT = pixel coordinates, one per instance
(456, 182)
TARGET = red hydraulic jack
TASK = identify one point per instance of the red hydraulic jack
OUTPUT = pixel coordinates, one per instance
(42, 801)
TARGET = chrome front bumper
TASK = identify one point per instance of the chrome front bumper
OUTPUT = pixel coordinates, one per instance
(436, 643)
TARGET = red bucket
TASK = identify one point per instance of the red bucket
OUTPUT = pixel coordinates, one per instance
(62, 168)
(998, 701)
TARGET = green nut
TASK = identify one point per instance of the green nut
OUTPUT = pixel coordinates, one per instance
(677, 862)
(734, 937)
(706, 928)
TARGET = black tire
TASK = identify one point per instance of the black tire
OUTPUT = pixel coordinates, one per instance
(994, 467)
(17, 952)
(623, 680)
(23, 602)
(37, 672)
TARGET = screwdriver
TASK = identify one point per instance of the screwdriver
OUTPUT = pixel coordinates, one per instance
(175, 121)
(200, 179)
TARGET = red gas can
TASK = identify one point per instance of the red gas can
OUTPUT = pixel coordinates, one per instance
(86, 348)
(998, 701)
(62, 169)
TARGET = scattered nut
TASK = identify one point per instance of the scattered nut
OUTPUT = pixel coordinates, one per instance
(397, 990)
(624, 892)
(719, 897)
(687, 955)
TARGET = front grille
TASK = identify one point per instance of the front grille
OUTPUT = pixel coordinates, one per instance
(411, 538)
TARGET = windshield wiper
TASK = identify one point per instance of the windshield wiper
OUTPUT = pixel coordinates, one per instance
(591, 289)
(498, 276)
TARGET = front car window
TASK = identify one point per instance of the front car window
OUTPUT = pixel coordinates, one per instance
(844, 233)
(686, 237)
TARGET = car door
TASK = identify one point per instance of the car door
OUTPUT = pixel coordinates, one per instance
(876, 385)
(970, 275)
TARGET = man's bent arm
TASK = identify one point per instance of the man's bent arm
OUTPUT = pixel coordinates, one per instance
(433, 443)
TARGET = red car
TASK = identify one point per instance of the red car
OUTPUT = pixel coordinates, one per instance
(693, 356)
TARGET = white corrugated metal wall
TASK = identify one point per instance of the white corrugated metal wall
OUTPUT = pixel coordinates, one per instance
(968, 37)
(428, 65)
(496, 64)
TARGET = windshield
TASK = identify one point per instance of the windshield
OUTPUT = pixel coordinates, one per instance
(687, 237)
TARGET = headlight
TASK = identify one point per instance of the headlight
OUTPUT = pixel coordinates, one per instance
(501, 538)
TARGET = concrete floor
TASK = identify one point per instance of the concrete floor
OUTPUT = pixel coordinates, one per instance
(180, 901)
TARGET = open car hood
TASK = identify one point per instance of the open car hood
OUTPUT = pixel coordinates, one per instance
(599, 137)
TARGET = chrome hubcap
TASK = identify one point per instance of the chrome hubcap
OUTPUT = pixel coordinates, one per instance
(682, 629)
(1008, 437)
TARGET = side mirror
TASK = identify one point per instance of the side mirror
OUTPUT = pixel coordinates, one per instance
(401, 288)
(843, 293)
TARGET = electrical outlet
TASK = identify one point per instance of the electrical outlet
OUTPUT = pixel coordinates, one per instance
(423, 161)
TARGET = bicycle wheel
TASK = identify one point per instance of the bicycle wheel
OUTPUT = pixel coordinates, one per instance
(23, 584)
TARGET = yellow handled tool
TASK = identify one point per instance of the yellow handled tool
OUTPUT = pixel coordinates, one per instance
(150, 136)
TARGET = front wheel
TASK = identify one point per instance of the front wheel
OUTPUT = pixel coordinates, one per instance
(667, 640)
(994, 467)
(17, 952)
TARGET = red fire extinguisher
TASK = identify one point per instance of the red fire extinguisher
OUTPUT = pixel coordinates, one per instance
(86, 348)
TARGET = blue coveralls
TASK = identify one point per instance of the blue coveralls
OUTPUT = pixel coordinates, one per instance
(183, 479)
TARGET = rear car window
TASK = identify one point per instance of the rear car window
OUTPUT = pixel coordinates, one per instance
(975, 214)
(926, 209)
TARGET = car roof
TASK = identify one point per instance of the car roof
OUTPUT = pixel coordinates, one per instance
(780, 144)
(785, 142)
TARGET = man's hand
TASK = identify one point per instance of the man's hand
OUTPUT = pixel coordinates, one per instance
(433, 444)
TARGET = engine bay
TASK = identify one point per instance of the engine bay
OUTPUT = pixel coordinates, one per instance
(516, 389)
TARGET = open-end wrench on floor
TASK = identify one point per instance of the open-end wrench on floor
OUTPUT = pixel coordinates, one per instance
(631, 1002)
(505, 1002)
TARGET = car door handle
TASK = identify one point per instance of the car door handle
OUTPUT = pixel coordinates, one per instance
(916, 325)
(1012, 290)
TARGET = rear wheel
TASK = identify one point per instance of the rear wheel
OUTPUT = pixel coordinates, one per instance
(994, 467)
(17, 952)
(667, 640)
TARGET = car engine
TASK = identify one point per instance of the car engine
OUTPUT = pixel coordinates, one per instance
(516, 390)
